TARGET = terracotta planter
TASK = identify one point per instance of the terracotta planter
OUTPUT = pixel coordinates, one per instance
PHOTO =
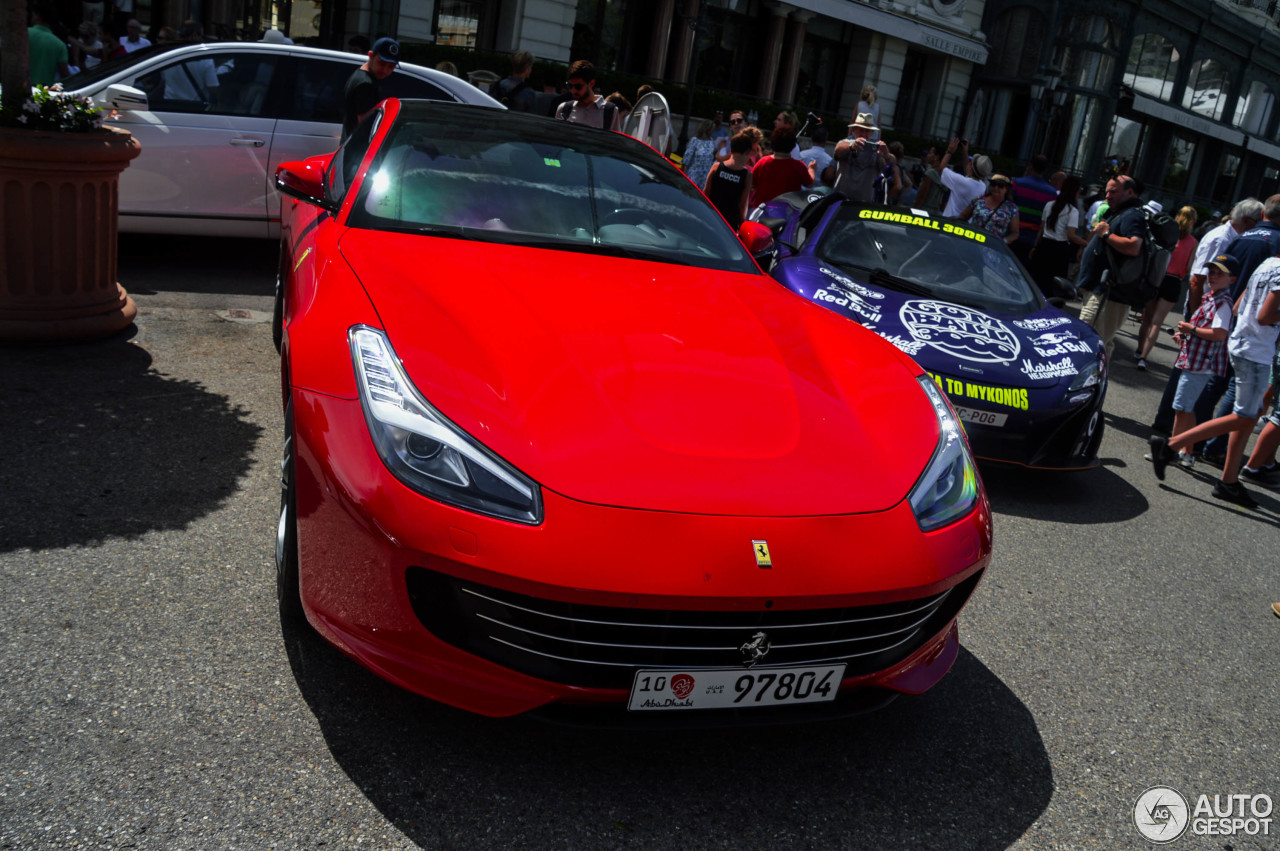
(58, 226)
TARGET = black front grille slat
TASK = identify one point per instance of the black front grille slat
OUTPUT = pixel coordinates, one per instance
(602, 647)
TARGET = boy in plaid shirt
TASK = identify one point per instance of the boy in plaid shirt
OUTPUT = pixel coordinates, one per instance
(1204, 346)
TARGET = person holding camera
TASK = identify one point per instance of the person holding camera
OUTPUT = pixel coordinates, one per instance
(859, 160)
(968, 181)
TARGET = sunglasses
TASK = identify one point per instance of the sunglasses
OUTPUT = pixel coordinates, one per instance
(999, 184)
(737, 121)
(575, 87)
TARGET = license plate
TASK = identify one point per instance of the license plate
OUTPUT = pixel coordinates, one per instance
(986, 418)
(729, 688)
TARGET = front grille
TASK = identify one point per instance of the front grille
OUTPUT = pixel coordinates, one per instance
(602, 647)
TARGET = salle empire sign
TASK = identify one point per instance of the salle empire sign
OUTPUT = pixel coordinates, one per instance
(953, 48)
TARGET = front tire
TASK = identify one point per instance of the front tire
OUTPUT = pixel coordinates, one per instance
(287, 590)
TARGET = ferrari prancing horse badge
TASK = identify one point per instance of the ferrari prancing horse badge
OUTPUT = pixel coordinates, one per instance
(762, 554)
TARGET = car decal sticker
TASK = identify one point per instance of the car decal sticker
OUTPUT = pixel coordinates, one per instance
(1043, 324)
(910, 347)
(851, 285)
(922, 222)
(1057, 343)
(850, 301)
(1006, 397)
(959, 331)
(1052, 369)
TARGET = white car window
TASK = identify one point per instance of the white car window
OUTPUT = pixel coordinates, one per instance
(219, 84)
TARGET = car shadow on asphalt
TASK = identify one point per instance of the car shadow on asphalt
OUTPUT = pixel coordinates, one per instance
(962, 766)
(1088, 497)
(99, 445)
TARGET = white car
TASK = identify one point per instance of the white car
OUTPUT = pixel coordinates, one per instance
(214, 120)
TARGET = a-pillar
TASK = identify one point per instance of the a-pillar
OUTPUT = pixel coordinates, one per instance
(790, 70)
(663, 14)
(679, 69)
(772, 49)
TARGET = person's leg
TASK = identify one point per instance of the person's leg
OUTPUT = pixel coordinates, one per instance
(1163, 424)
(1252, 381)
(1264, 451)
(1093, 304)
(1147, 342)
(1108, 322)
(1216, 401)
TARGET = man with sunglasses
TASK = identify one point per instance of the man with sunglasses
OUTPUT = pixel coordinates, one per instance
(584, 105)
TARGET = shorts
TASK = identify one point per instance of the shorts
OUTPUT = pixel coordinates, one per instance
(1170, 289)
(1251, 386)
(1190, 386)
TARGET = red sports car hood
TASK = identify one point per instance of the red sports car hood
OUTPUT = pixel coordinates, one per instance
(651, 385)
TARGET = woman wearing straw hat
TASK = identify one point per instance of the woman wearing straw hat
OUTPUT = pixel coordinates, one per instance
(859, 160)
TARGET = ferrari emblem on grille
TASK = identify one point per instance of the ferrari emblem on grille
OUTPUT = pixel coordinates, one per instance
(762, 554)
(755, 649)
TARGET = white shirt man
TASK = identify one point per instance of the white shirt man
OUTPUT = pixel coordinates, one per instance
(133, 40)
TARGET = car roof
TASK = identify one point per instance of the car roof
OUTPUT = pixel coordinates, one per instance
(456, 86)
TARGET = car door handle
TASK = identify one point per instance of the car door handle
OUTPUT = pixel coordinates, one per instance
(248, 143)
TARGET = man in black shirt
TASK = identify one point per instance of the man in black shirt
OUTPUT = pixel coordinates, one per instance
(362, 94)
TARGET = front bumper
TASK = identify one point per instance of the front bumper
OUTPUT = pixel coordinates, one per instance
(380, 569)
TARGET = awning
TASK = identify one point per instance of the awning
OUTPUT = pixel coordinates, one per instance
(915, 32)
(1190, 120)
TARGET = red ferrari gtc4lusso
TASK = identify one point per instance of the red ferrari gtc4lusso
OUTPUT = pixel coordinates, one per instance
(555, 443)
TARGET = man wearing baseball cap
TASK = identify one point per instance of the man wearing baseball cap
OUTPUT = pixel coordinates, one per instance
(362, 93)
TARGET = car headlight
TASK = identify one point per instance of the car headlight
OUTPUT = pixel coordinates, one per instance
(427, 452)
(1090, 376)
(948, 489)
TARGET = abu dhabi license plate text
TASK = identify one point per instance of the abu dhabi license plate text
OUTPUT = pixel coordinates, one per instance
(986, 418)
(728, 688)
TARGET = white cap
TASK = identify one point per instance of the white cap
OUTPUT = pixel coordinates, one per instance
(1153, 207)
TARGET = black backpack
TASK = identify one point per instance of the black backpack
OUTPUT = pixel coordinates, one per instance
(1136, 280)
(507, 97)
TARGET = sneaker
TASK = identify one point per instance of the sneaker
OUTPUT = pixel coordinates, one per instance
(1267, 475)
(1275, 607)
(1186, 460)
(1147, 457)
(1213, 459)
(1159, 454)
(1142, 363)
(1234, 493)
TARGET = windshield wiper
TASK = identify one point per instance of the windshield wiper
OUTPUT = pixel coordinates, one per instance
(881, 275)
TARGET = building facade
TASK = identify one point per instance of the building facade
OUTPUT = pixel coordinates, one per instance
(921, 55)
(1180, 93)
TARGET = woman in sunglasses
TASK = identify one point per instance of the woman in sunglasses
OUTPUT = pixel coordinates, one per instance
(995, 212)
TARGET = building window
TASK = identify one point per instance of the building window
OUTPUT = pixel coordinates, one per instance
(1087, 56)
(1019, 32)
(1178, 164)
(1253, 110)
(458, 22)
(1207, 89)
(1153, 66)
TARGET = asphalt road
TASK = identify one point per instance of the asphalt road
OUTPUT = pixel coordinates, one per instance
(148, 698)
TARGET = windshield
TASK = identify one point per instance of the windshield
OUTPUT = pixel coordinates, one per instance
(482, 174)
(937, 258)
(102, 70)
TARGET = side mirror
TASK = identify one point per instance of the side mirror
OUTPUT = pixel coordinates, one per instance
(124, 98)
(756, 238)
(304, 180)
